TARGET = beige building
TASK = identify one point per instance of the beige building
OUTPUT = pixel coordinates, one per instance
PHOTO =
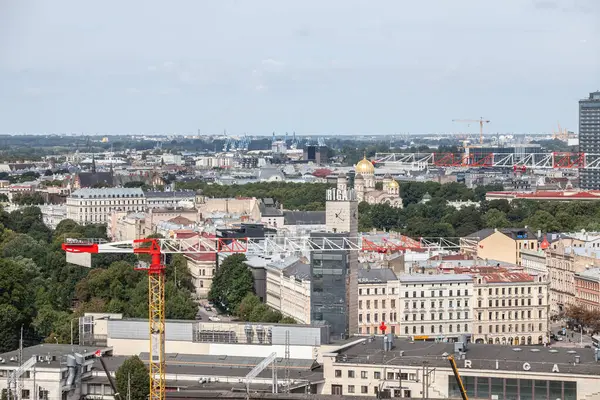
(503, 244)
(202, 267)
(126, 226)
(94, 206)
(155, 216)
(288, 288)
(511, 308)
(378, 301)
(534, 262)
(245, 206)
(435, 306)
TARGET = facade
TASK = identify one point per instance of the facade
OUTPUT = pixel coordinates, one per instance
(589, 138)
(421, 370)
(534, 262)
(436, 306)
(202, 267)
(587, 287)
(158, 199)
(94, 206)
(510, 308)
(126, 226)
(562, 269)
(288, 289)
(503, 245)
(378, 301)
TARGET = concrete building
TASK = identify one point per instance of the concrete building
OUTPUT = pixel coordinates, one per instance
(534, 262)
(504, 244)
(436, 306)
(93, 206)
(288, 288)
(248, 206)
(421, 370)
(589, 138)
(378, 300)
(127, 226)
(510, 308)
(587, 289)
(166, 199)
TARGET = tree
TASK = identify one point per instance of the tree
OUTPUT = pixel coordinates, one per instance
(495, 218)
(231, 283)
(133, 374)
(246, 306)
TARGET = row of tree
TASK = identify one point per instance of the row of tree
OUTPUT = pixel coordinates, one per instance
(437, 217)
(589, 319)
(42, 293)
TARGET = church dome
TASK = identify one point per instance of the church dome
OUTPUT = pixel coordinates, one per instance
(365, 166)
(394, 184)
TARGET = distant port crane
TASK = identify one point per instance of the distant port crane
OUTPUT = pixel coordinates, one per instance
(481, 121)
(157, 248)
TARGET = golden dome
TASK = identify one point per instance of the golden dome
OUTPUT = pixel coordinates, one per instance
(364, 166)
(394, 184)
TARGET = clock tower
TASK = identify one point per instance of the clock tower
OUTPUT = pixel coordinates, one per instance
(341, 211)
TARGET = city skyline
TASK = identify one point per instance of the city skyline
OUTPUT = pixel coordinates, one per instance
(342, 68)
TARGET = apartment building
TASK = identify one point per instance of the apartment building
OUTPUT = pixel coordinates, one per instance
(93, 206)
(503, 245)
(510, 308)
(378, 298)
(562, 267)
(202, 267)
(435, 306)
(534, 262)
(587, 289)
(288, 288)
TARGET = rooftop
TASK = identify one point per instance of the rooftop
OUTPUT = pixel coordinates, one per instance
(550, 194)
(590, 274)
(376, 275)
(420, 278)
(482, 356)
(107, 193)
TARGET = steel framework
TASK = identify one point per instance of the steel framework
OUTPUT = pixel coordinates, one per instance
(517, 161)
(156, 269)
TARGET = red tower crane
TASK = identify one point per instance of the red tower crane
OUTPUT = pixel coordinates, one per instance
(156, 248)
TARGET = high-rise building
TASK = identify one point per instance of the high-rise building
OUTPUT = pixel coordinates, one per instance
(334, 286)
(589, 138)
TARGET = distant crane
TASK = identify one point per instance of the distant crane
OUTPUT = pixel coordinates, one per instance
(481, 122)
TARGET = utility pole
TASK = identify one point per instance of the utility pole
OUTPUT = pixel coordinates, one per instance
(287, 362)
(129, 386)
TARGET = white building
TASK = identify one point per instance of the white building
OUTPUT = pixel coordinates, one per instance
(93, 206)
(288, 288)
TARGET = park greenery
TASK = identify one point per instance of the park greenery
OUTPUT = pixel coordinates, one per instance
(579, 317)
(42, 293)
(232, 292)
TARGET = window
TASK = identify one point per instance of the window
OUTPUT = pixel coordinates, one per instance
(422, 293)
(406, 330)
(25, 393)
(382, 303)
(432, 316)
(405, 294)
(414, 294)
(383, 316)
(458, 292)
(382, 290)
(441, 316)
(338, 373)
(450, 293)
(479, 292)
(359, 292)
(359, 317)
(350, 388)
(422, 317)
(479, 329)
(368, 291)
(375, 303)
(363, 375)
(540, 314)
(376, 375)
(368, 304)
(393, 303)
(350, 373)
(364, 389)
(390, 376)
(336, 389)
(360, 304)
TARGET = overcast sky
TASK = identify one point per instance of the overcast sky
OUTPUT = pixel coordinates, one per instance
(310, 66)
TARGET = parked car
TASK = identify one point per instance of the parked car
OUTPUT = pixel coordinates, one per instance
(214, 319)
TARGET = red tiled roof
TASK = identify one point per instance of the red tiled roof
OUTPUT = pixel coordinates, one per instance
(202, 256)
(508, 277)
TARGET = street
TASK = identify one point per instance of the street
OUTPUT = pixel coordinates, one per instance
(568, 340)
(213, 313)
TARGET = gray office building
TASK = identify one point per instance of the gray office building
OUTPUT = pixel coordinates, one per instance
(589, 138)
(330, 271)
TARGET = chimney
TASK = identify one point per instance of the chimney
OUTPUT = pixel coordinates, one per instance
(577, 359)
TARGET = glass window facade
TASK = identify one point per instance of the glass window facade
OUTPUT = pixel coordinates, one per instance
(513, 389)
(329, 272)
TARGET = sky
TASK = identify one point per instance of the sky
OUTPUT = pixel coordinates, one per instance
(329, 67)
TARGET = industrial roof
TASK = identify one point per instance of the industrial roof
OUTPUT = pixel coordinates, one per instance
(376, 275)
(482, 356)
(108, 193)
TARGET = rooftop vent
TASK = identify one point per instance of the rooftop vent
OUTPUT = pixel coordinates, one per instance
(553, 351)
(517, 349)
(572, 352)
(535, 350)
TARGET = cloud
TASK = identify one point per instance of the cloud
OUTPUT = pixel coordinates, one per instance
(271, 63)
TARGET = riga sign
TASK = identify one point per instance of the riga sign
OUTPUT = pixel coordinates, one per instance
(526, 366)
(335, 194)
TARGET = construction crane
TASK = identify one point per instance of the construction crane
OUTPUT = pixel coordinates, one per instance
(481, 121)
(459, 381)
(157, 248)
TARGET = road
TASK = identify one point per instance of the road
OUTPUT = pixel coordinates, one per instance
(573, 338)
(213, 313)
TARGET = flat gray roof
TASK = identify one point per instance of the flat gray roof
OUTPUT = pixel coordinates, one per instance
(421, 278)
(482, 356)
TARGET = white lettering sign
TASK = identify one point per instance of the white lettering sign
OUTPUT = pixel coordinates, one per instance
(467, 363)
(526, 366)
(335, 194)
(555, 368)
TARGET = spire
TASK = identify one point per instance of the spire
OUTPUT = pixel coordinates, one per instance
(93, 164)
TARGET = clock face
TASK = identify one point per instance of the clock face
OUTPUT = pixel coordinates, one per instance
(341, 215)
